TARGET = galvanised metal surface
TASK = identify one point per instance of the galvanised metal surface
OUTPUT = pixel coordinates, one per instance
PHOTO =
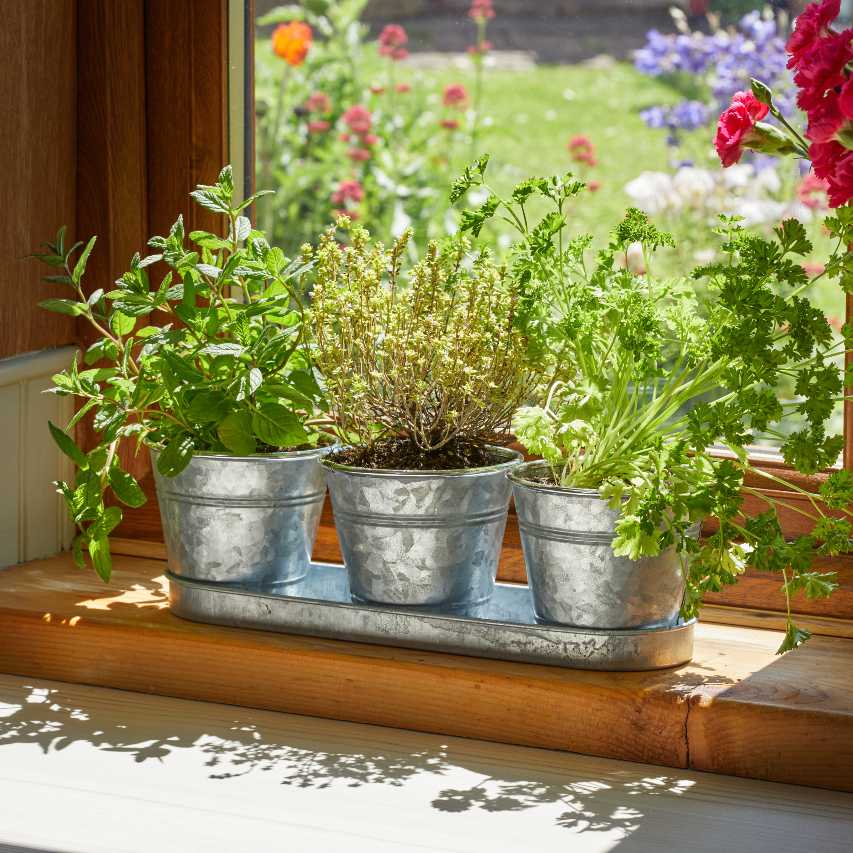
(567, 536)
(421, 537)
(243, 519)
(504, 627)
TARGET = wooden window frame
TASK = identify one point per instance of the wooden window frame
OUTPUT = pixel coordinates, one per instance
(155, 119)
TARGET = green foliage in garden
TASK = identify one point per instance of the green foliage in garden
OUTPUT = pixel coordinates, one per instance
(644, 382)
(228, 371)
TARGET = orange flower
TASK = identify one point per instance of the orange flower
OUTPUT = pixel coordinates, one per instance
(292, 41)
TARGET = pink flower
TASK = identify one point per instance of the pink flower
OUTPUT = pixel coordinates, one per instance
(449, 123)
(481, 10)
(359, 155)
(455, 95)
(318, 102)
(812, 24)
(392, 41)
(812, 191)
(347, 191)
(370, 139)
(376, 89)
(813, 269)
(593, 186)
(358, 119)
(402, 88)
(483, 47)
(318, 126)
(822, 68)
(736, 125)
(581, 150)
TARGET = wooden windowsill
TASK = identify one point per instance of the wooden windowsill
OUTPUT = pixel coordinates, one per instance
(736, 709)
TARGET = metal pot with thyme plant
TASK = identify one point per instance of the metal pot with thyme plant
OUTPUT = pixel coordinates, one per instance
(423, 371)
(222, 392)
(648, 381)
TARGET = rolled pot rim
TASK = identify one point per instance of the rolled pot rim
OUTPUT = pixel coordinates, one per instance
(279, 455)
(513, 458)
(517, 477)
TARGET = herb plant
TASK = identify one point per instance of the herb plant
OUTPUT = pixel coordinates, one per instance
(227, 371)
(647, 382)
(421, 368)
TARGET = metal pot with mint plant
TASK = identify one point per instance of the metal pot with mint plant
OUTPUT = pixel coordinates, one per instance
(609, 517)
(223, 393)
(423, 368)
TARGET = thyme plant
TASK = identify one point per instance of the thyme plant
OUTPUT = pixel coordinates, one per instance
(213, 358)
(648, 382)
(427, 364)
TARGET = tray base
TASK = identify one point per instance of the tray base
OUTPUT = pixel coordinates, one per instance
(503, 628)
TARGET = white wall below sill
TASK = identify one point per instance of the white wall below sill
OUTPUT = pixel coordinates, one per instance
(33, 523)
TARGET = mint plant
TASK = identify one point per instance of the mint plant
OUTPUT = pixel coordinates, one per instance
(656, 388)
(212, 358)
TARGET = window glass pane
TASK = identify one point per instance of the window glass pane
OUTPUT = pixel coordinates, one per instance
(371, 108)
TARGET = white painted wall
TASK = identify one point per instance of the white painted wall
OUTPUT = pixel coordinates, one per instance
(33, 522)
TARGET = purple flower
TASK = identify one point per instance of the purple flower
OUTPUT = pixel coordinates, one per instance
(723, 62)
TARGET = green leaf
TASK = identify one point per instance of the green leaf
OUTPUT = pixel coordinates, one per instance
(103, 348)
(67, 446)
(794, 637)
(235, 432)
(207, 407)
(80, 266)
(278, 426)
(121, 323)
(64, 306)
(99, 551)
(125, 487)
(176, 455)
(223, 349)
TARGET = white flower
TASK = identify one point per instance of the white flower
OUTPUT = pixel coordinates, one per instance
(738, 176)
(652, 191)
(694, 185)
(768, 180)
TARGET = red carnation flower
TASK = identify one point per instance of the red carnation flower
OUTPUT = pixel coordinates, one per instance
(823, 156)
(402, 88)
(812, 24)
(841, 181)
(736, 125)
(822, 68)
(358, 154)
(825, 119)
(318, 126)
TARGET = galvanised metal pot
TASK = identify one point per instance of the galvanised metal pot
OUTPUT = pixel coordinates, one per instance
(422, 538)
(574, 576)
(243, 519)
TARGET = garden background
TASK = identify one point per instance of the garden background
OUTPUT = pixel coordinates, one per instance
(372, 108)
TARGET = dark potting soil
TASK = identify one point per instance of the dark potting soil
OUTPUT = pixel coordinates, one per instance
(402, 455)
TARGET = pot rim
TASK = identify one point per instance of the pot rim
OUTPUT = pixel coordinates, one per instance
(276, 456)
(517, 477)
(513, 458)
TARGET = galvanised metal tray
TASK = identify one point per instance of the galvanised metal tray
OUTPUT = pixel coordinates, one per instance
(504, 628)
